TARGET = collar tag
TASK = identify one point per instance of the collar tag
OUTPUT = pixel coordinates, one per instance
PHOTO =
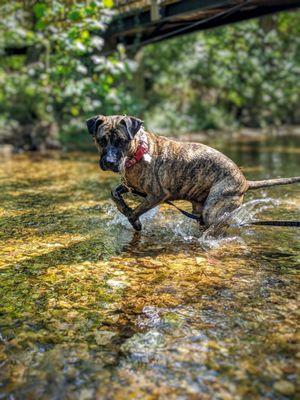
(147, 157)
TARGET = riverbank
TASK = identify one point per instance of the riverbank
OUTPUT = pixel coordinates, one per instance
(82, 141)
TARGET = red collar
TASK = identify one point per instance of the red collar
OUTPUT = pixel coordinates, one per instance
(141, 150)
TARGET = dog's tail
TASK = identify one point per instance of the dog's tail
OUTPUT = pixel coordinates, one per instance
(272, 182)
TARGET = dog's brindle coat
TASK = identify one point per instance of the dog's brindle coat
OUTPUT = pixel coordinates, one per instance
(173, 171)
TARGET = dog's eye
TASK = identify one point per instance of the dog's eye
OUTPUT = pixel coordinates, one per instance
(119, 142)
(103, 141)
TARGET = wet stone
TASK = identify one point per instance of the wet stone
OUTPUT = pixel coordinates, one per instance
(141, 347)
(116, 284)
(104, 337)
(284, 387)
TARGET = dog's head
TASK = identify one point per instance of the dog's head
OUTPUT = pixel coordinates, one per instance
(113, 136)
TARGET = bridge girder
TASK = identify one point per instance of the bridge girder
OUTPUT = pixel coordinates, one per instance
(137, 28)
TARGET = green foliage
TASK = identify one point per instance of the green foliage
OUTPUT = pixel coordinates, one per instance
(242, 74)
(245, 74)
(62, 77)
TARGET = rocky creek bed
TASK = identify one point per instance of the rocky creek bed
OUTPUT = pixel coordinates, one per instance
(90, 310)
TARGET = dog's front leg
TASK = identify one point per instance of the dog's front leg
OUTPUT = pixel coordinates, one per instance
(149, 202)
(118, 199)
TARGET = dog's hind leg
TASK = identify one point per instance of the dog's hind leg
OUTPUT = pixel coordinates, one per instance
(197, 210)
(218, 208)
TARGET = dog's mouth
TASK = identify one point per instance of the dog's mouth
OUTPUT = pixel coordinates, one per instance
(109, 166)
(115, 168)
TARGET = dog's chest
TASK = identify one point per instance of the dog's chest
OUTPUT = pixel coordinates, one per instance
(140, 176)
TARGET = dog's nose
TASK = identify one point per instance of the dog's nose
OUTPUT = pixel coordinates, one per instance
(105, 164)
(110, 158)
(109, 162)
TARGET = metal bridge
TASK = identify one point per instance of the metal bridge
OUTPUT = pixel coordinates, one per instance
(140, 22)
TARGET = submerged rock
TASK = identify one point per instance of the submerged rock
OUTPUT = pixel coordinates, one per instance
(143, 346)
(116, 284)
(104, 337)
(284, 387)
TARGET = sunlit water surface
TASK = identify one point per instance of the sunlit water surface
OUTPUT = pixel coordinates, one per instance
(90, 310)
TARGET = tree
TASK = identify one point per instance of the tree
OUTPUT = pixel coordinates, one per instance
(242, 74)
(52, 73)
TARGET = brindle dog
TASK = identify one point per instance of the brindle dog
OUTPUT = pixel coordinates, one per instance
(161, 169)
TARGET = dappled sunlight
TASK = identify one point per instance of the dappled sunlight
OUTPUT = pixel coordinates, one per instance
(91, 309)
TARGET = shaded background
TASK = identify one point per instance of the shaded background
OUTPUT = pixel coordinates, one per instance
(53, 75)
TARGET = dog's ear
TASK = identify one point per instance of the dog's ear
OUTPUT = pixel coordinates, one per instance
(131, 125)
(94, 123)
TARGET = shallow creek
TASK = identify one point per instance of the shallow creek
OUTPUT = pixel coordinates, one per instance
(90, 310)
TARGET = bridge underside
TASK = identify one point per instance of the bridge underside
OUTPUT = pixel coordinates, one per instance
(138, 23)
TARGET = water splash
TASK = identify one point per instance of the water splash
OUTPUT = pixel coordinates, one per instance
(116, 218)
(244, 215)
(248, 211)
(164, 223)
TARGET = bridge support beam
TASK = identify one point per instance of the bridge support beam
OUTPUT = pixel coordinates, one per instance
(155, 11)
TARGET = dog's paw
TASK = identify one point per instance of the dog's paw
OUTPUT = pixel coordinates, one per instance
(135, 224)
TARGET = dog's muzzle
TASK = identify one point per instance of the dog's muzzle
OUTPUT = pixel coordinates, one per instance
(110, 160)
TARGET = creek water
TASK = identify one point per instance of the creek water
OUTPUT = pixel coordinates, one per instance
(91, 310)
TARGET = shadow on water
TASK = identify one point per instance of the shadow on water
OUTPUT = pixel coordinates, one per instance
(91, 310)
